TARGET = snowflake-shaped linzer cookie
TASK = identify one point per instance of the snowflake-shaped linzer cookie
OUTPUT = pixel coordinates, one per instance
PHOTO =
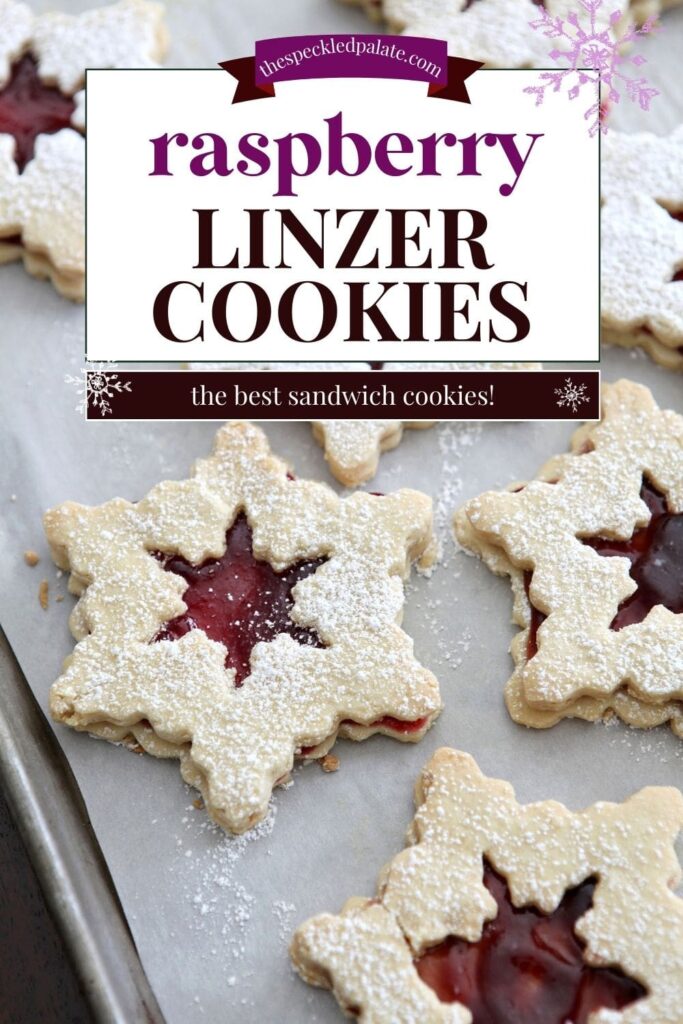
(353, 447)
(642, 244)
(594, 549)
(241, 618)
(496, 32)
(505, 913)
(42, 150)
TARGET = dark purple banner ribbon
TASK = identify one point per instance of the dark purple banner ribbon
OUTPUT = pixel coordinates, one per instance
(276, 395)
(243, 69)
(291, 58)
(459, 68)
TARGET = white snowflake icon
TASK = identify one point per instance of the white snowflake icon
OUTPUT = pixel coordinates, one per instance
(96, 385)
(596, 50)
(571, 395)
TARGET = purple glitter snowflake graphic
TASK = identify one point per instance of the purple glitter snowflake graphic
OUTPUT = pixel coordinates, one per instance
(597, 47)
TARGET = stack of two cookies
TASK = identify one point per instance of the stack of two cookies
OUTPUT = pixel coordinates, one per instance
(594, 547)
(42, 125)
(41, 210)
(642, 244)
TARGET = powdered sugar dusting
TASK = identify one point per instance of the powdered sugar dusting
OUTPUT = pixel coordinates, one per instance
(283, 913)
(128, 34)
(215, 888)
(456, 441)
(16, 25)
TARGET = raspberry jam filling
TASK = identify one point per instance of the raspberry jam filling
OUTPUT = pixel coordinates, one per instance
(656, 556)
(238, 600)
(528, 967)
(29, 108)
(401, 725)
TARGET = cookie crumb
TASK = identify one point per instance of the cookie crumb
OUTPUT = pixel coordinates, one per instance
(59, 597)
(31, 557)
(43, 593)
(198, 804)
(329, 763)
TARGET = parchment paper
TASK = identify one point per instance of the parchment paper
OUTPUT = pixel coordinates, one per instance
(211, 916)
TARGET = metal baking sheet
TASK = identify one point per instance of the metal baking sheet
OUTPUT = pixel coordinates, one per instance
(44, 797)
(211, 916)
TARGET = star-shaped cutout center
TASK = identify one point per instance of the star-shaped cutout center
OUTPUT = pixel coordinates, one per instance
(528, 967)
(238, 599)
(29, 108)
(656, 555)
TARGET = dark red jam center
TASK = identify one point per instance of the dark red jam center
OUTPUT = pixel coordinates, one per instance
(528, 967)
(238, 600)
(656, 556)
(29, 108)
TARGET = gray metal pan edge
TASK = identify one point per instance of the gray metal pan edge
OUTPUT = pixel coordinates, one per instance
(46, 802)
